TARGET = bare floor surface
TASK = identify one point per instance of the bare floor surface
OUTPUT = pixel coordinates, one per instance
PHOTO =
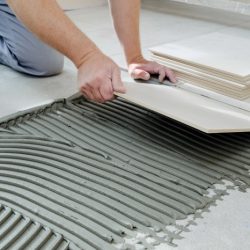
(227, 225)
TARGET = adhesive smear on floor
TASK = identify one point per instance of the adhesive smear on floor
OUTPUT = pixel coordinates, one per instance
(80, 175)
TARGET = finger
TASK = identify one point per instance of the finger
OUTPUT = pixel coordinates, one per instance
(170, 74)
(95, 91)
(117, 83)
(162, 74)
(87, 93)
(98, 96)
(151, 67)
(91, 92)
(106, 91)
(140, 74)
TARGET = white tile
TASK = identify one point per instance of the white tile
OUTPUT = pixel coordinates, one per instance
(194, 110)
(216, 51)
(197, 77)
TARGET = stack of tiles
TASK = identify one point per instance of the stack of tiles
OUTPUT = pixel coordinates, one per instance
(217, 61)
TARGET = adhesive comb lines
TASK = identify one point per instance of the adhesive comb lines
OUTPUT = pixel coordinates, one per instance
(98, 173)
(20, 232)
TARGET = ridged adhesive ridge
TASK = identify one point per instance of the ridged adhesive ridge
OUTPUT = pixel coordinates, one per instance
(96, 173)
(20, 232)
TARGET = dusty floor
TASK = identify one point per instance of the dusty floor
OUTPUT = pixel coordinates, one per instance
(227, 225)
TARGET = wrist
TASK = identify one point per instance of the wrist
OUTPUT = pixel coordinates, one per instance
(138, 58)
(84, 53)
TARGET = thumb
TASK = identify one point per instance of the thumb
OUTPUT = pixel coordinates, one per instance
(117, 83)
(140, 74)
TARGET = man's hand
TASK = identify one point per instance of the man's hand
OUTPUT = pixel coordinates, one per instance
(99, 77)
(141, 68)
(126, 21)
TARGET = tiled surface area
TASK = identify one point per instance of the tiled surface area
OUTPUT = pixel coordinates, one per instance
(218, 230)
(20, 92)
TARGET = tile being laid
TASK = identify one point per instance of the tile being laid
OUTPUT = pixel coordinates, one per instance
(197, 111)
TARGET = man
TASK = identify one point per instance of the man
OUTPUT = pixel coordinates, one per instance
(33, 32)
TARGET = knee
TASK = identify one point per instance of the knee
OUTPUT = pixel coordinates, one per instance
(39, 60)
(47, 64)
(24, 52)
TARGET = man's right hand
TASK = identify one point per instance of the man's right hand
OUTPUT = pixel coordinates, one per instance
(99, 77)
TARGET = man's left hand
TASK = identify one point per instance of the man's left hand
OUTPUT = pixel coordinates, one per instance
(141, 68)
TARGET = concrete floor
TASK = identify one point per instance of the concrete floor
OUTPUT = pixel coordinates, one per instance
(226, 226)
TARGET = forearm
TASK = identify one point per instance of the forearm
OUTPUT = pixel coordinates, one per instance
(47, 20)
(126, 21)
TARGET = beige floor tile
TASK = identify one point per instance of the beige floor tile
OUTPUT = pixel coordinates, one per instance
(205, 114)
(220, 79)
(217, 51)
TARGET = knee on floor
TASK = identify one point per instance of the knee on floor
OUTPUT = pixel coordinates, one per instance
(47, 64)
(38, 60)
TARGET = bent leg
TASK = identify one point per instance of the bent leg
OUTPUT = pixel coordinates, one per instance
(23, 51)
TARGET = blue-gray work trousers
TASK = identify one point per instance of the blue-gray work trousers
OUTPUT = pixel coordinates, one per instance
(23, 51)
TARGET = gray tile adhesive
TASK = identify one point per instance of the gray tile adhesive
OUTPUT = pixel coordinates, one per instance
(20, 232)
(80, 175)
